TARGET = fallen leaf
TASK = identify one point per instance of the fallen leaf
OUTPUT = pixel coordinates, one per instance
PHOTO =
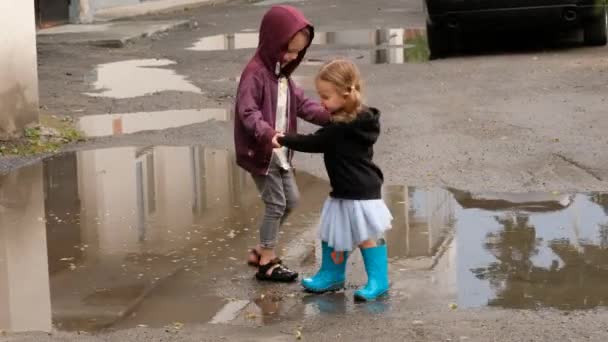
(453, 306)
(298, 335)
(178, 325)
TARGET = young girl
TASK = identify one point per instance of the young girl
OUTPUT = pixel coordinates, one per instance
(355, 214)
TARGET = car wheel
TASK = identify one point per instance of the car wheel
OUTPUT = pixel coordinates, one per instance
(596, 30)
(439, 44)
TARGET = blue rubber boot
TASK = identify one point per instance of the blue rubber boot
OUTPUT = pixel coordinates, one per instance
(376, 266)
(331, 275)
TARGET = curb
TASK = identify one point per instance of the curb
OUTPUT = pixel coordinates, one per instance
(149, 8)
(122, 42)
(301, 249)
(119, 42)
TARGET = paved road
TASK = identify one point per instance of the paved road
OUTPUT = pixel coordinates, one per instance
(524, 118)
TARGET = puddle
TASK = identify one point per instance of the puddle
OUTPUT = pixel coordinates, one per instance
(128, 237)
(116, 124)
(133, 78)
(392, 55)
(392, 45)
(423, 218)
(534, 251)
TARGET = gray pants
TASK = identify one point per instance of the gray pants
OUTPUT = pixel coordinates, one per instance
(280, 194)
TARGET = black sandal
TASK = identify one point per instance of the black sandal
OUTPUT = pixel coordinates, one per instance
(280, 273)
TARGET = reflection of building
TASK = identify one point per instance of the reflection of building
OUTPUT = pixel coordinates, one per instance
(398, 45)
(61, 197)
(138, 209)
(121, 222)
(404, 45)
(422, 220)
(116, 124)
(243, 40)
(24, 280)
(129, 195)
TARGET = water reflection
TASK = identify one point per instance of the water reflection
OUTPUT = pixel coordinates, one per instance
(411, 39)
(122, 230)
(155, 235)
(519, 258)
(131, 218)
(24, 280)
(415, 51)
(423, 218)
(133, 78)
(116, 124)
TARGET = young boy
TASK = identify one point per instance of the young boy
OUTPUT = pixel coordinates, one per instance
(268, 102)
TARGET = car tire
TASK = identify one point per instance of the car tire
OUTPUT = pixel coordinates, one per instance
(596, 30)
(439, 44)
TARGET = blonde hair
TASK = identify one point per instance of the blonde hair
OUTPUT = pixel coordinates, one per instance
(345, 76)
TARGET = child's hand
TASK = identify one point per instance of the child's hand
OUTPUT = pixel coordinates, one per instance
(275, 141)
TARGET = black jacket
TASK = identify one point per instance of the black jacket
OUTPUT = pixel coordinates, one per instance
(348, 152)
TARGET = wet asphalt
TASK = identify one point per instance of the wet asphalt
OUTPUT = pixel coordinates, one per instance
(142, 233)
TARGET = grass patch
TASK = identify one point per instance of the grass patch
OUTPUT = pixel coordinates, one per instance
(48, 136)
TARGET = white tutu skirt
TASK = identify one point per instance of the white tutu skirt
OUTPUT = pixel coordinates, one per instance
(347, 223)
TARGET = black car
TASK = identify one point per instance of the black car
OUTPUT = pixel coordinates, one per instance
(446, 19)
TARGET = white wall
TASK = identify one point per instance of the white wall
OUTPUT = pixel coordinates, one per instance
(18, 67)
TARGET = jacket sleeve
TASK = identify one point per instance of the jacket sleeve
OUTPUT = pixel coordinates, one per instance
(249, 98)
(310, 110)
(319, 142)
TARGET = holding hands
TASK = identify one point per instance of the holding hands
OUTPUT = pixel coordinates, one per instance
(275, 140)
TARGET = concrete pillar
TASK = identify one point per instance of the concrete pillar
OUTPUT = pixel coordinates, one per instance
(18, 68)
(85, 14)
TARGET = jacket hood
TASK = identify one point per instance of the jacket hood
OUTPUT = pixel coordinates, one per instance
(279, 25)
(366, 127)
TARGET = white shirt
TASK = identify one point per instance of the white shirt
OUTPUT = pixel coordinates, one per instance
(282, 124)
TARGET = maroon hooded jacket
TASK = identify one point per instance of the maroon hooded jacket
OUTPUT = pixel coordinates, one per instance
(256, 100)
